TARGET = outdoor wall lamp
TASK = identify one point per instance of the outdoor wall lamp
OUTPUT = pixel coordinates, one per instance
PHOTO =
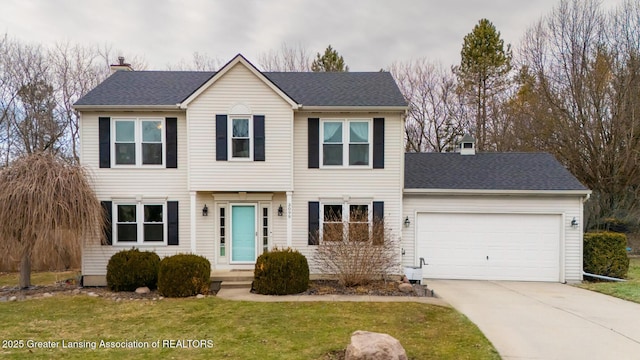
(280, 211)
(205, 210)
(407, 222)
(574, 223)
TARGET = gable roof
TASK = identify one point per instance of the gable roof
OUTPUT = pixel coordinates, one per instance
(308, 89)
(488, 171)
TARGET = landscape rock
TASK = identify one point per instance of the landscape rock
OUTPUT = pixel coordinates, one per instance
(92, 294)
(199, 296)
(47, 294)
(366, 345)
(405, 279)
(405, 288)
(143, 290)
(13, 298)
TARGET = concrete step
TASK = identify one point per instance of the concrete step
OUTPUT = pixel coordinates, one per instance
(232, 276)
(236, 284)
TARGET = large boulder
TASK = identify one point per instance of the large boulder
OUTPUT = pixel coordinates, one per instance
(366, 345)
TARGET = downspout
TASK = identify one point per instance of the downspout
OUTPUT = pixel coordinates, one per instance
(602, 277)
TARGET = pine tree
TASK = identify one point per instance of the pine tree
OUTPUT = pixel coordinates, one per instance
(328, 62)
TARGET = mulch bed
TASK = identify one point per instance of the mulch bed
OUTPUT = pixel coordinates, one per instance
(316, 287)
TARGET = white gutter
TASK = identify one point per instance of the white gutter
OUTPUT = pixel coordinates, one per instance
(353, 108)
(495, 192)
(127, 107)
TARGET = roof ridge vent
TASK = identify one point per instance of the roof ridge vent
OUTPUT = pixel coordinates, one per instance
(467, 145)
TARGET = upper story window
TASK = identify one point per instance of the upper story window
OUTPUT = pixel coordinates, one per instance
(346, 142)
(138, 141)
(241, 139)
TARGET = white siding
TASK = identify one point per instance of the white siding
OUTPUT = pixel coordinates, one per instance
(374, 184)
(240, 86)
(568, 206)
(133, 183)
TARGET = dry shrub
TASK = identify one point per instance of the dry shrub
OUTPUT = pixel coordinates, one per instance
(356, 252)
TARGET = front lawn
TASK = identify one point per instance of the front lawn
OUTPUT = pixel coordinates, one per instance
(38, 278)
(629, 290)
(236, 330)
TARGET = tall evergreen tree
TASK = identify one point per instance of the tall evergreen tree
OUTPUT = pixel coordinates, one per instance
(329, 61)
(482, 74)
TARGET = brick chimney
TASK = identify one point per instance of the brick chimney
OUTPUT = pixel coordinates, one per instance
(120, 66)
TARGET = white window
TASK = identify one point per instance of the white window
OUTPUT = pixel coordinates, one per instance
(241, 135)
(138, 142)
(140, 223)
(345, 221)
(346, 143)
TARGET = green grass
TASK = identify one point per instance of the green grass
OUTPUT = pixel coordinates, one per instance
(629, 290)
(38, 278)
(239, 330)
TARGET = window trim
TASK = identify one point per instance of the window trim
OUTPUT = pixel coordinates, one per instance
(138, 121)
(230, 137)
(346, 215)
(346, 130)
(139, 223)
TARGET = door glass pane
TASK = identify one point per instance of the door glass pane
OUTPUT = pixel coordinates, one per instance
(152, 131)
(125, 131)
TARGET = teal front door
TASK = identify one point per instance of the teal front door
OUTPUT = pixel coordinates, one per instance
(243, 233)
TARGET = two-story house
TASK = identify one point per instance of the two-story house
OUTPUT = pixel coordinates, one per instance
(231, 163)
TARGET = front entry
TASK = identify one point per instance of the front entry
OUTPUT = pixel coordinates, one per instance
(243, 234)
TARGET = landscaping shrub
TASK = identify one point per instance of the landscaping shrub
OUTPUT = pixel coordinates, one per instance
(128, 270)
(281, 272)
(184, 275)
(605, 254)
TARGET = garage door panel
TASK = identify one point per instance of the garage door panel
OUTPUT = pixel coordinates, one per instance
(490, 246)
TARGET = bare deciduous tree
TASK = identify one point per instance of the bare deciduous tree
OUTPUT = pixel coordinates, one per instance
(436, 114)
(47, 206)
(287, 58)
(199, 62)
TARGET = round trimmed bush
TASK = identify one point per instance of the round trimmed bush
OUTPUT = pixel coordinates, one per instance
(281, 272)
(128, 270)
(184, 275)
(605, 253)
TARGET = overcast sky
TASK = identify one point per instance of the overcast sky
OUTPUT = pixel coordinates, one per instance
(370, 34)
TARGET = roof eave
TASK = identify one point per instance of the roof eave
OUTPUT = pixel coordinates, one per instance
(496, 192)
(353, 108)
(126, 107)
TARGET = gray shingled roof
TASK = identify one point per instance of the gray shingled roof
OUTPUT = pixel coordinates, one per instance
(487, 171)
(132, 88)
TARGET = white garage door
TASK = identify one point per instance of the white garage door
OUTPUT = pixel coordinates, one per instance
(490, 246)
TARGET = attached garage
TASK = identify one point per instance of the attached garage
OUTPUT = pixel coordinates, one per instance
(490, 246)
(492, 216)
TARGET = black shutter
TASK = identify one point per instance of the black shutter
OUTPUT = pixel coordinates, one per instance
(314, 143)
(171, 134)
(378, 210)
(314, 222)
(104, 142)
(258, 138)
(172, 222)
(107, 237)
(378, 143)
(221, 137)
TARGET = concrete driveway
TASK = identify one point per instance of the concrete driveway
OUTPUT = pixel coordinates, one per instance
(531, 320)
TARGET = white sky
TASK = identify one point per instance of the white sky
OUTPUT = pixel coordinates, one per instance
(369, 34)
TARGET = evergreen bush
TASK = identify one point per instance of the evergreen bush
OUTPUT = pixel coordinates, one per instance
(605, 254)
(184, 275)
(281, 272)
(128, 270)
